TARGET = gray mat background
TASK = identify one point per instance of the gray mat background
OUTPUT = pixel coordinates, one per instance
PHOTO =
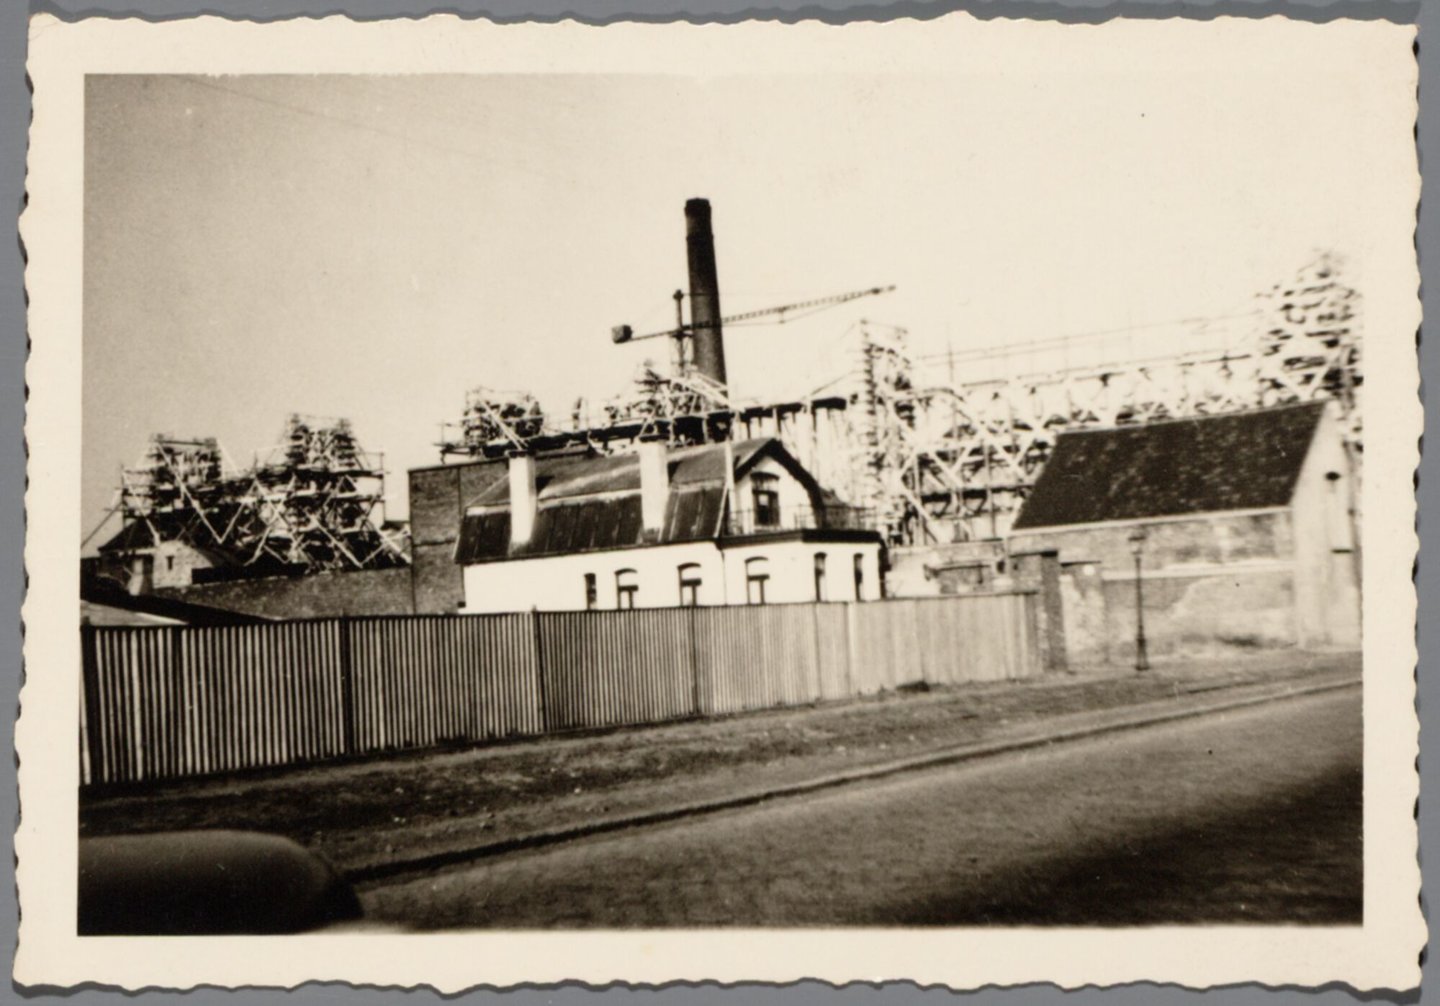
(14, 120)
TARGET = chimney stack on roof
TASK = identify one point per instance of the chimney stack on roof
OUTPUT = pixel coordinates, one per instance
(708, 341)
(654, 485)
(524, 499)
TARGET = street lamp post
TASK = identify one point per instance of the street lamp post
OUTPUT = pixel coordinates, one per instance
(1142, 656)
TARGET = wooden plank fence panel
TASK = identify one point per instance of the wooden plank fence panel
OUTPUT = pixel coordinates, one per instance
(832, 633)
(616, 668)
(870, 625)
(163, 702)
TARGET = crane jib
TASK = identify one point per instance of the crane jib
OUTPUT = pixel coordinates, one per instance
(624, 333)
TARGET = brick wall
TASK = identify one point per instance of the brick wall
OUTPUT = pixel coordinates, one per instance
(437, 504)
(1213, 584)
(363, 592)
(435, 511)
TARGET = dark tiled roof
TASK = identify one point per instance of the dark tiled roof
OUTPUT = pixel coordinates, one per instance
(1239, 461)
(137, 534)
(185, 526)
(98, 592)
(692, 514)
(565, 476)
(571, 519)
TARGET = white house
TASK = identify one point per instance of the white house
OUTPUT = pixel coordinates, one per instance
(739, 523)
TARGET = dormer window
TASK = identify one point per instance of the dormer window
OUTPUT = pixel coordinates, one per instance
(765, 489)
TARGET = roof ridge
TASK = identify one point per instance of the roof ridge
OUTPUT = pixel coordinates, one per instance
(1199, 417)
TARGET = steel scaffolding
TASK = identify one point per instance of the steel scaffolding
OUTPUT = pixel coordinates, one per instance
(962, 455)
(946, 447)
(316, 503)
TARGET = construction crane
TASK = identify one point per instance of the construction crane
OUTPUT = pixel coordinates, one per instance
(624, 333)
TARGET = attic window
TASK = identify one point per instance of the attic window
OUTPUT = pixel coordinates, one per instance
(766, 496)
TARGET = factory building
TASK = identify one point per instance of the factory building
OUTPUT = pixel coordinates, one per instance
(1241, 527)
(713, 524)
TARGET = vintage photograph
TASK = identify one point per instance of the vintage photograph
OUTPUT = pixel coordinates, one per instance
(645, 500)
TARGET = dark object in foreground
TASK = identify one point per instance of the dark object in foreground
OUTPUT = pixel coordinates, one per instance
(198, 883)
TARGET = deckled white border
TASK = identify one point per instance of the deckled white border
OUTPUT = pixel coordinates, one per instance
(1382, 953)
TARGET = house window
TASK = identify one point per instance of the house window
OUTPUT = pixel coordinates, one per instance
(766, 496)
(592, 592)
(819, 576)
(169, 562)
(757, 572)
(859, 577)
(689, 584)
(626, 587)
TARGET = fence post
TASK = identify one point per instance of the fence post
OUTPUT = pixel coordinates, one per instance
(544, 693)
(175, 761)
(90, 697)
(347, 687)
(694, 664)
(851, 642)
(815, 642)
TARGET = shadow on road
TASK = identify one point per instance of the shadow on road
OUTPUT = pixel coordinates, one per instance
(1298, 861)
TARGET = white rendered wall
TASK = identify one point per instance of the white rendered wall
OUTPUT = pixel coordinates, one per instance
(557, 583)
(1327, 592)
(791, 566)
(175, 564)
(792, 493)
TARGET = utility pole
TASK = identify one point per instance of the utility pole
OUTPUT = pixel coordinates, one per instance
(1142, 656)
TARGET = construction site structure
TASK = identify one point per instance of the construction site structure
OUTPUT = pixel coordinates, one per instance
(692, 404)
(946, 447)
(954, 458)
(321, 500)
(314, 504)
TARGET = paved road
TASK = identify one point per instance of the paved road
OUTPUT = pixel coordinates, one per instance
(1249, 815)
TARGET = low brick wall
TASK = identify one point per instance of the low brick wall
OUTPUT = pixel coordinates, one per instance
(321, 595)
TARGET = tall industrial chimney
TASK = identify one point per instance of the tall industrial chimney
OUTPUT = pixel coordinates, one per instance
(704, 291)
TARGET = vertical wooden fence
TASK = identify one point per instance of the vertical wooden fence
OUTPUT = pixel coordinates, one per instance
(176, 701)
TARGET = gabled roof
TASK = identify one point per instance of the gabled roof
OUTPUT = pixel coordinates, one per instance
(98, 592)
(1237, 461)
(566, 476)
(183, 526)
(589, 525)
(591, 503)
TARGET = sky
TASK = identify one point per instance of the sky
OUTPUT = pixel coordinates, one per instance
(373, 246)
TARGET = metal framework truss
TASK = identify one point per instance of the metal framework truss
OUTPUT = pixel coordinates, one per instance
(494, 422)
(960, 457)
(316, 503)
(939, 456)
(319, 498)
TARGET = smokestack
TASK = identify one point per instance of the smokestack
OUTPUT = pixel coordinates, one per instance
(523, 498)
(654, 485)
(704, 291)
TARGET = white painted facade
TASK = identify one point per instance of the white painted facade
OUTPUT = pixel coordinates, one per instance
(166, 564)
(772, 549)
(558, 582)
